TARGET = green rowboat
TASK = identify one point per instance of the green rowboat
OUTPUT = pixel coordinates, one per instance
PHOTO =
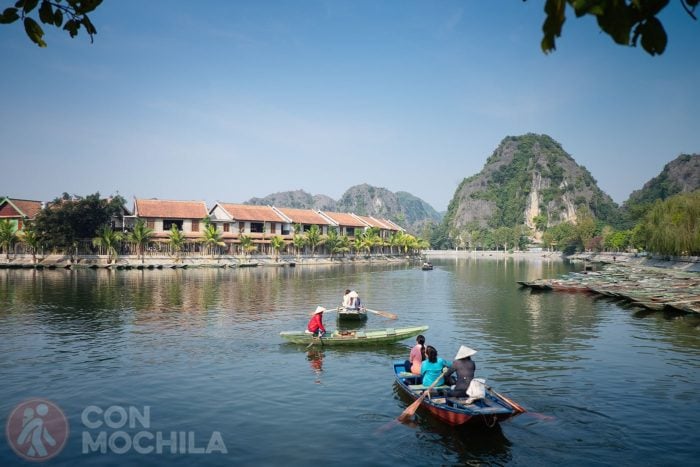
(356, 337)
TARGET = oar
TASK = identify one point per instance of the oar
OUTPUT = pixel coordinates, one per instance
(385, 314)
(411, 409)
(515, 405)
(312, 341)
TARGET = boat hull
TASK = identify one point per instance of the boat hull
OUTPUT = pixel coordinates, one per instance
(345, 314)
(356, 337)
(455, 411)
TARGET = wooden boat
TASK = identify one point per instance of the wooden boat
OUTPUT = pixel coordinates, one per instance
(454, 411)
(352, 314)
(248, 265)
(355, 337)
(427, 267)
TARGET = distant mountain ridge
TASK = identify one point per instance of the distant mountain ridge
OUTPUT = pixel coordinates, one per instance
(403, 208)
(528, 180)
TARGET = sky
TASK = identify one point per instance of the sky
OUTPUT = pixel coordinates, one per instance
(230, 100)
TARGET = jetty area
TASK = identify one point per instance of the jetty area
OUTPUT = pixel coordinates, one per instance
(654, 284)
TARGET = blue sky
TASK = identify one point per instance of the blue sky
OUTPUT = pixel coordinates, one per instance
(229, 100)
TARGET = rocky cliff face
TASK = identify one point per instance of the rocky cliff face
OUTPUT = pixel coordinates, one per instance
(407, 210)
(528, 180)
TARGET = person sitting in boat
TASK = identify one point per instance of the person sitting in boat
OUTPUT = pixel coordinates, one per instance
(315, 325)
(417, 355)
(347, 300)
(431, 368)
(463, 368)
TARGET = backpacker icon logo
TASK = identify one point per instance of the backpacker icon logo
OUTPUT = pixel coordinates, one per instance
(37, 430)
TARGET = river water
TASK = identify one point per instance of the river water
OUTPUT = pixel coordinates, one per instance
(198, 352)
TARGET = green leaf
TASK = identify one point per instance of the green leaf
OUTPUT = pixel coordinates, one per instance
(89, 27)
(34, 31)
(9, 16)
(19, 4)
(29, 5)
(552, 24)
(46, 13)
(58, 18)
(654, 37)
(72, 27)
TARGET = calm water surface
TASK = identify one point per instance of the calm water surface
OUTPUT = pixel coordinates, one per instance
(605, 384)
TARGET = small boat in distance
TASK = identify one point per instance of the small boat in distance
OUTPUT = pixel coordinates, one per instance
(354, 337)
(493, 408)
(427, 266)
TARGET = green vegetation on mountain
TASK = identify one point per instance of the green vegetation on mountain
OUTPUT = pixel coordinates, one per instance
(528, 185)
(681, 175)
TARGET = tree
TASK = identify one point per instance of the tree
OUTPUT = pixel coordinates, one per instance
(140, 237)
(29, 237)
(176, 239)
(277, 243)
(52, 13)
(313, 238)
(8, 236)
(212, 238)
(299, 242)
(69, 219)
(625, 21)
(247, 245)
(332, 241)
(109, 240)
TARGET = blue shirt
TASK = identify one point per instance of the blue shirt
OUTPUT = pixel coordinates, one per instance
(431, 371)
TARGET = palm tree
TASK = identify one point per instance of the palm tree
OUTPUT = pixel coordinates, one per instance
(247, 245)
(313, 238)
(8, 235)
(176, 239)
(212, 238)
(299, 242)
(277, 243)
(343, 245)
(140, 236)
(332, 241)
(109, 240)
(30, 238)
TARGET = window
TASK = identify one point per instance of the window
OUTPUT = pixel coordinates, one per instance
(273, 228)
(226, 226)
(168, 224)
(350, 231)
(257, 227)
(286, 230)
(241, 227)
(151, 224)
(195, 226)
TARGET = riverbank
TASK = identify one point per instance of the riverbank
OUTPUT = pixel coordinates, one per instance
(166, 261)
(493, 254)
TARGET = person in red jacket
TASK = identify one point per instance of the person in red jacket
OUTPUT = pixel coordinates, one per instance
(315, 325)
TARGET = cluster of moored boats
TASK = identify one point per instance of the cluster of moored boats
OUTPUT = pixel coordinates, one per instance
(486, 411)
(650, 288)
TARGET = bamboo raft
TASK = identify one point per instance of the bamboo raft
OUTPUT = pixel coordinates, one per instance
(650, 288)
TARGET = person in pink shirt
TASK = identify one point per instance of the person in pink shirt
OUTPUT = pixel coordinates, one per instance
(417, 355)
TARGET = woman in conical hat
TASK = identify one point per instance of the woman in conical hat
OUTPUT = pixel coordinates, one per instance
(463, 367)
(315, 325)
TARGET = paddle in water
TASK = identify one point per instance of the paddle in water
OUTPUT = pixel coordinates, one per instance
(385, 314)
(411, 409)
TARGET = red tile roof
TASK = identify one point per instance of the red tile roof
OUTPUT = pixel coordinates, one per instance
(375, 223)
(345, 219)
(304, 216)
(168, 209)
(245, 212)
(27, 208)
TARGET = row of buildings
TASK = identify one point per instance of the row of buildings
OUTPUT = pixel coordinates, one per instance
(261, 223)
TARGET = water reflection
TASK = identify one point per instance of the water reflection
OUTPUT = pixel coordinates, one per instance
(315, 358)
